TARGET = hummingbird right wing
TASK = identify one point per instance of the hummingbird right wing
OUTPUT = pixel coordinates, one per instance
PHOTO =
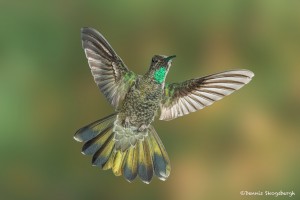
(109, 71)
(182, 98)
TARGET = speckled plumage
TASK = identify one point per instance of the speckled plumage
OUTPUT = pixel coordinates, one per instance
(141, 102)
(125, 141)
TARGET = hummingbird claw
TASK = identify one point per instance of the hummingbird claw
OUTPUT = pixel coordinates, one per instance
(126, 122)
(142, 127)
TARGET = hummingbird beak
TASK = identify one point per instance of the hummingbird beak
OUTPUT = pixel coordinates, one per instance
(167, 59)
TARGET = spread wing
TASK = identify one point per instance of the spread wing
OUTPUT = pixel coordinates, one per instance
(110, 73)
(182, 98)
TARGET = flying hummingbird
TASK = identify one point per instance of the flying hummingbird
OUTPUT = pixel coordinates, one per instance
(125, 141)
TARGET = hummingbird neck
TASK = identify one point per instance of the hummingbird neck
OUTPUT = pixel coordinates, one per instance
(160, 75)
(157, 76)
(149, 77)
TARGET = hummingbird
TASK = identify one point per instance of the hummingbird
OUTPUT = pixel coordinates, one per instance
(125, 141)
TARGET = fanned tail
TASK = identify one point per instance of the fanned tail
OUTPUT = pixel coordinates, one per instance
(147, 157)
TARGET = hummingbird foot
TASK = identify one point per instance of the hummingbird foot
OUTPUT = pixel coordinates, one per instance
(126, 122)
(143, 127)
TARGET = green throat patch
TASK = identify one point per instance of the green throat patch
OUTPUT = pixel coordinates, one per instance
(159, 75)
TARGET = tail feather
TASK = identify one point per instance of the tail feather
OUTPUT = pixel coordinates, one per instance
(102, 156)
(145, 167)
(93, 145)
(130, 164)
(144, 159)
(162, 167)
(92, 130)
(110, 162)
(118, 163)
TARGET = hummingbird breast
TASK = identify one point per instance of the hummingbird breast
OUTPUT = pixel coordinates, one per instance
(141, 104)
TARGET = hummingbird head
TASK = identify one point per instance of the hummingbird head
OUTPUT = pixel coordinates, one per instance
(159, 67)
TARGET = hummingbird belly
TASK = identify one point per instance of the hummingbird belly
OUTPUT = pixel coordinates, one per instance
(139, 107)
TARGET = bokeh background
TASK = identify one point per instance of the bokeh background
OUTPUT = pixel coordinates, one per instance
(246, 142)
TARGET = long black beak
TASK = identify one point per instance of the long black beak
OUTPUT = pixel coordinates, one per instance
(169, 58)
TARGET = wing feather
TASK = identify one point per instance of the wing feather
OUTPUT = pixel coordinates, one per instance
(109, 71)
(182, 98)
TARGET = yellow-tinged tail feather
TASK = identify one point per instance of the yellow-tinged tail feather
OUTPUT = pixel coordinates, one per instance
(147, 157)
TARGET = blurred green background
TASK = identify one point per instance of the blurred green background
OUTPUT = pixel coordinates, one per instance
(246, 142)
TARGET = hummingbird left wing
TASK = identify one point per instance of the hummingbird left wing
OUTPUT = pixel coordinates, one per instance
(182, 98)
(109, 71)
